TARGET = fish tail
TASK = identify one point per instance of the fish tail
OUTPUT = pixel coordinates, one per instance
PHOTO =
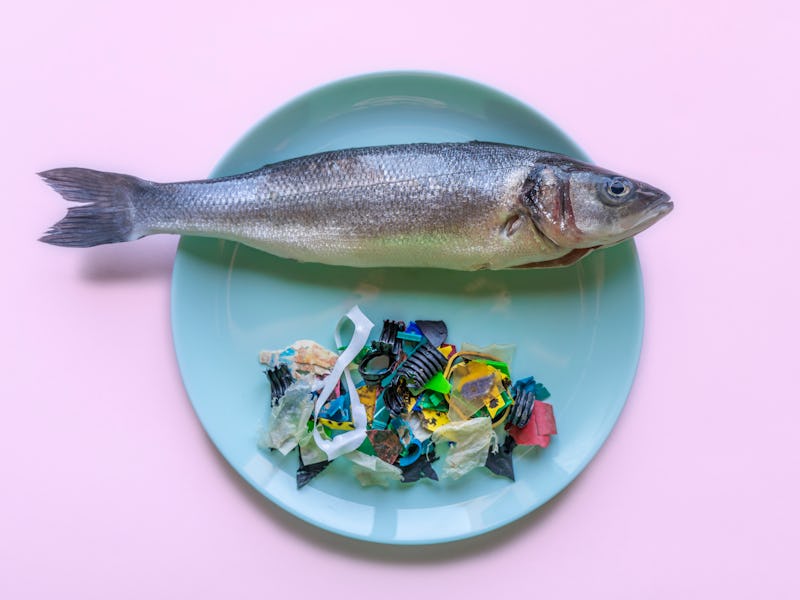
(106, 210)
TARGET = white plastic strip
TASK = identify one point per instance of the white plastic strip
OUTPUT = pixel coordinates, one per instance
(345, 442)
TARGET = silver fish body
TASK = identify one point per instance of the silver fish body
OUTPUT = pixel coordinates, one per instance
(459, 206)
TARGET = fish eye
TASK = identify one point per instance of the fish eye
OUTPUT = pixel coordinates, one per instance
(618, 187)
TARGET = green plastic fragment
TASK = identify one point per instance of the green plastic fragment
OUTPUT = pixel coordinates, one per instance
(433, 401)
(500, 366)
(366, 447)
(358, 357)
(361, 354)
(541, 392)
(439, 384)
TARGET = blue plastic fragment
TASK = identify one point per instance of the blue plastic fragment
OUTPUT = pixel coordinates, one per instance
(337, 409)
(413, 328)
(525, 385)
(412, 447)
(529, 384)
(414, 450)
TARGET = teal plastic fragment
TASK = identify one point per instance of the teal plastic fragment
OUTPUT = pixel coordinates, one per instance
(381, 416)
(541, 392)
(409, 337)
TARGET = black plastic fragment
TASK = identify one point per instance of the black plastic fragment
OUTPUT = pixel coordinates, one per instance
(422, 365)
(418, 469)
(500, 462)
(306, 473)
(521, 410)
(524, 393)
(280, 378)
(389, 336)
(394, 398)
(387, 346)
(372, 374)
(434, 331)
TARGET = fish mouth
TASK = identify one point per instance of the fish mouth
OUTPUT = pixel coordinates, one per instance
(659, 207)
(657, 204)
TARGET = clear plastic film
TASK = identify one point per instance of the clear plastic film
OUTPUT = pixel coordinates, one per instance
(472, 440)
(371, 470)
(289, 418)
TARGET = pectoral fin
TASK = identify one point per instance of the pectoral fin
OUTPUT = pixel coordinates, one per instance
(570, 258)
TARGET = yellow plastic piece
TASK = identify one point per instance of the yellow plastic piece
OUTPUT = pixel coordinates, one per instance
(447, 350)
(495, 404)
(484, 384)
(336, 425)
(433, 419)
(368, 397)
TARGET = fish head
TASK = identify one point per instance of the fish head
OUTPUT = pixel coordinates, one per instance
(578, 205)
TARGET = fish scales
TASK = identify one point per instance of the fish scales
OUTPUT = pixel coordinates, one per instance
(456, 205)
(374, 206)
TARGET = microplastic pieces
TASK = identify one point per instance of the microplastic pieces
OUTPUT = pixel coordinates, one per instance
(306, 473)
(303, 358)
(335, 413)
(539, 429)
(386, 444)
(394, 405)
(381, 357)
(421, 365)
(388, 339)
(421, 468)
(288, 419)
(471, 443)
(371, 470)
(280, 378)
(499, 460)
(434, 331)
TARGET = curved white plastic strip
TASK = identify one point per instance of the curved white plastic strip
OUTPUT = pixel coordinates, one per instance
(345, 442)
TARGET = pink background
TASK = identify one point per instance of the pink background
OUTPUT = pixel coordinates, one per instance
(110, 487)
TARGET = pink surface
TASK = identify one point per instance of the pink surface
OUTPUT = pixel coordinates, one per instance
(110, 488)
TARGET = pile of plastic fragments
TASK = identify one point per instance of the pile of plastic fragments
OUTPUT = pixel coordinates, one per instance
(393, 405)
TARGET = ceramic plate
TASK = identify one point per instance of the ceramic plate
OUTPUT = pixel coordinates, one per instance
(577, 329)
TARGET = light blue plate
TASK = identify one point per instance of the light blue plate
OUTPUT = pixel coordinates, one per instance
(578, 329)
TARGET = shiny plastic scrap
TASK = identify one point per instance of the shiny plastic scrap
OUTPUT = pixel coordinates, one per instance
(423, 397)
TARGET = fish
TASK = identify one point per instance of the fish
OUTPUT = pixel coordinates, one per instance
(463, 206)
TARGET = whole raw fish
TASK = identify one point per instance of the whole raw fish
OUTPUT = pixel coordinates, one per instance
(464, 206)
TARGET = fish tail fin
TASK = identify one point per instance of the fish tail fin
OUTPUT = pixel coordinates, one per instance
(106, 211)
